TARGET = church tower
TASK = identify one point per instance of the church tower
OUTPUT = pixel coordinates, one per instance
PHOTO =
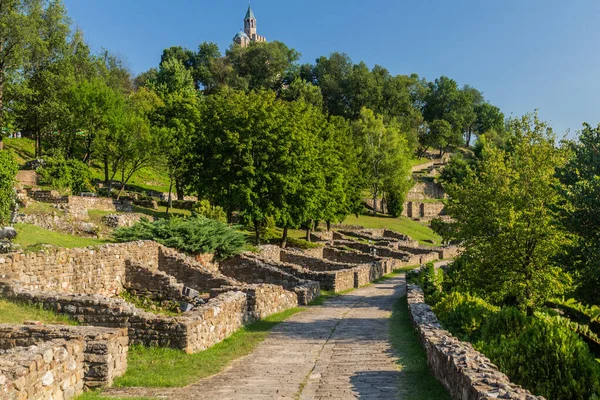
(243, 38)
(250, 24)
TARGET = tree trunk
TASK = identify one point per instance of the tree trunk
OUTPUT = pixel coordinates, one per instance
(309, 228)
(257, 232)
(375, 202)
(284, 237)
(179, 189)
(38, 144)
(169, 199)
(328, 226)
(106, 171)
(469, 133)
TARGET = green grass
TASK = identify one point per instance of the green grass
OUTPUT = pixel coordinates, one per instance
(418, 161)
(98, 396)
(161, 212)
(17, 313)
(418, 383)
(145, 179)
(29, 235)
(164, 367)
(415, 230)
(39, 208)
(23, 149)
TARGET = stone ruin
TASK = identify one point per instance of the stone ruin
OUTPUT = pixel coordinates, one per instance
(464, 372)
(93, 286)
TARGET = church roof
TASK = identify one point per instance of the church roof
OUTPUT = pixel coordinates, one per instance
(250, 13)
(240, 34)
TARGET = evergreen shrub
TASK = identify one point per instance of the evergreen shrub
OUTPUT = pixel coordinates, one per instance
(194, 235)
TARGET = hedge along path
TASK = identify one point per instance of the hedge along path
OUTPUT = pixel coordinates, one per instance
(339, 350)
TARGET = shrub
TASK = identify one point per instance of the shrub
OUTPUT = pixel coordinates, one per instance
(195, 235)
(205, 209)
(546, 358)
(8, 170)
(67, 175)
(507, 323)
(463, 314)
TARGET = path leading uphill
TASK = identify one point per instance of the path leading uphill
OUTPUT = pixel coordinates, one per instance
(339, 350)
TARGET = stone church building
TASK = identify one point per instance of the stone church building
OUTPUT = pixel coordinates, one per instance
(243, 38)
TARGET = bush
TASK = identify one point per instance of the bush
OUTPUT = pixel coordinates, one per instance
(546, 358)
(195, 235)
(463, 314)
(205, 209)
(8, 170)
(507, 323)
(67, 175)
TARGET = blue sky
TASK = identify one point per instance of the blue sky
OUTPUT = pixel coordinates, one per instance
(523, 54)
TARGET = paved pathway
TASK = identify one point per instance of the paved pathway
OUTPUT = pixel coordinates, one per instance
(339, 350)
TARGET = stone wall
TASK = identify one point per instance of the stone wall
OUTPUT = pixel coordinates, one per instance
(87, 271)
(47, 196)
(51, 370)
(426, 190)
(420, 210)
(380, 251)
(78, 206)
(27, 177)
(190, 272)
(104, 351)
(193, 331)
(156, 285)
(263, 299)
(464, 372)
(336, 281)
(119, 220)
(321, 236)
(248, 268)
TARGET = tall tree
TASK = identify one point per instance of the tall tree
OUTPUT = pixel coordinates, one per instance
(503, 218)
(384, 155)
(19, 23)
(580, 212)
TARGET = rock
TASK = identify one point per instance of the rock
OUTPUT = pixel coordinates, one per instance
(8, 233)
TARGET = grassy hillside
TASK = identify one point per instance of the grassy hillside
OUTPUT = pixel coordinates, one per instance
(415, 230)
(29, 235)
(15, 313)
(145, 179)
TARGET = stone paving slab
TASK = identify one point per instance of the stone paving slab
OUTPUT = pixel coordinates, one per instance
(339, 350)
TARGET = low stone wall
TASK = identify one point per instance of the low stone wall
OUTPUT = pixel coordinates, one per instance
(156, 285)
(27, 177)
(190, 272)
(78, 206)
(90, 270)
(464, 372)
(120, 220)
(336, 281)
(263, 299)
(193, 331)
(356, 257)
(426, 190)
(321, 236)
(312, 263)
(47, 196)
(380, 251)
(52, 370)
(365, 274)
(250, 269)
(104, 350)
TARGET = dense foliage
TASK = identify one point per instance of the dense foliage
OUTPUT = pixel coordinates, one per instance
(66, 175)
(542, 352)
(195, 235)
(8, 170)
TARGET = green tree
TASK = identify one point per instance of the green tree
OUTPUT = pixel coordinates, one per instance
(178, 115)
(504, 220)
(262, 65)
(8, 170)
(384, 156)
(580, 212)
(19, 23)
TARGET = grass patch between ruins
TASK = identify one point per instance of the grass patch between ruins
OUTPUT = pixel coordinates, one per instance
(424, 234)
(29, 235)
(164, 367)
(16, 313)
(418, 383)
